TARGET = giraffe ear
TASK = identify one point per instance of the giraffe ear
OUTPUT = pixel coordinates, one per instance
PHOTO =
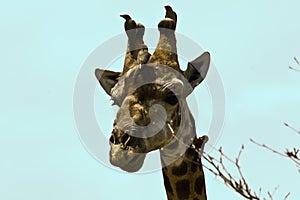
(107, 79)
(197, 69)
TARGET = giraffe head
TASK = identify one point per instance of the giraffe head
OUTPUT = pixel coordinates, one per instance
(151, 94)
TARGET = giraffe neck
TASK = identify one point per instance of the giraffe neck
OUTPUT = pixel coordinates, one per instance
(184, 178)
(181, 164)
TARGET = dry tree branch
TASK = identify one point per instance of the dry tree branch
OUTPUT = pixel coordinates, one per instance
(291, 154)
(271, 195)
(239, 185)
(297, 61)
(292, 68)
(287, 196)
(287, 125)
(267, 147)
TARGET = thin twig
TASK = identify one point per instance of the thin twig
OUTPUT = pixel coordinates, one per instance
(286, 196)
(293, 68)
(239, 185)
(217, 167)
(294, 129)
(291, 154)
(266, 147)
(225, 156)
(297, 61)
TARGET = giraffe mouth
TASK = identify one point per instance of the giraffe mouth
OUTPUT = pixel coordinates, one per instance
(126, 141)
(128, 152)
(126, 159)
(123, 141)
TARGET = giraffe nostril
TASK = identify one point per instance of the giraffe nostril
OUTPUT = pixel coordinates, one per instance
(112, 139)
(141, 118)
(139, 114)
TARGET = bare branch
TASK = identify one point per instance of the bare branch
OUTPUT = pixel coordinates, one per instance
(297, 61)
(293, 68)
(286, 196)
(291, 154)
(287, 125)
(266, 147)
(239, 185)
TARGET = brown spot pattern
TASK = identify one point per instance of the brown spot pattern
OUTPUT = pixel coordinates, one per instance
(183, 189)
(180, 170)
(199, 185)
(194, 167)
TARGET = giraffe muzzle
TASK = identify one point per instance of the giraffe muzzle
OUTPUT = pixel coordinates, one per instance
(126, 141)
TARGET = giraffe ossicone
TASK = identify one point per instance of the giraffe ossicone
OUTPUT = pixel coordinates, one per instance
(153, 113)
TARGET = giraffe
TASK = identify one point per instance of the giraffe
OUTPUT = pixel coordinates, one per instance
(153, 113)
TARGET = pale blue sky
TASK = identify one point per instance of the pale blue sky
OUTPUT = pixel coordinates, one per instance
(44, 44)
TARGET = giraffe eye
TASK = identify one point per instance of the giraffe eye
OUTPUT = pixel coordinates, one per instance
(172, 100)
